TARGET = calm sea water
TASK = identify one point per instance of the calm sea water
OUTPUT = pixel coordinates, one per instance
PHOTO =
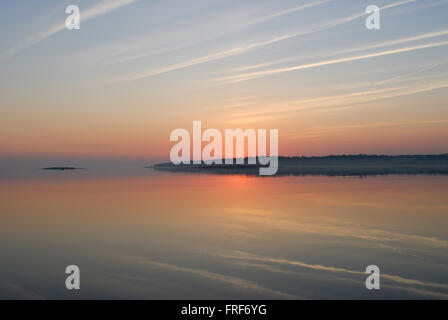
(150, 235)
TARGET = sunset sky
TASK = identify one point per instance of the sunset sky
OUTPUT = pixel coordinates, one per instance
(137, 69)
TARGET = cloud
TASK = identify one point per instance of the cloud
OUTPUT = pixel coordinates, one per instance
(201, 60)
(396, 4)
(281, 110)
(358, 49)
(256, 45)
(289, 11)
(253, 75)
(105, 7)
(355, 16)
(244, 25)
(403, 76)
(100, 9)
(329, 130)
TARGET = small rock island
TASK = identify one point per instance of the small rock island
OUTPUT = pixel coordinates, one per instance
(62, 168)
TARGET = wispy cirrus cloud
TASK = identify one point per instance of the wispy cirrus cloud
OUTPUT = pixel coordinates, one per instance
(331, 130)
(339, 101)
(403, 76)
(425, 36)
(256, 45)
(212, 57)
(289, 11)
(257, 74)
(250, 22)
(100, 9)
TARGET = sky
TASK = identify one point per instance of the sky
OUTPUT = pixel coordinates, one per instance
(138, 69)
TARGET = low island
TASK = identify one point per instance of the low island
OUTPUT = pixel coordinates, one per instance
(61, 168)
(337, 165)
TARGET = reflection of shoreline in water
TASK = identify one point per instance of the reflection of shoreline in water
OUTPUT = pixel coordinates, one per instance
(352, 165)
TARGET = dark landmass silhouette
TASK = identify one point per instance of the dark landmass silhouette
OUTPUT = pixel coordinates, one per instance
(62, 168)
(334, 165)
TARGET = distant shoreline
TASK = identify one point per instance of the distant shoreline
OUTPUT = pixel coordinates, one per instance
(343, 165)
(62, 168)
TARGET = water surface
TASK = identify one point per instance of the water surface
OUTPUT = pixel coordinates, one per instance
(153, 235)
